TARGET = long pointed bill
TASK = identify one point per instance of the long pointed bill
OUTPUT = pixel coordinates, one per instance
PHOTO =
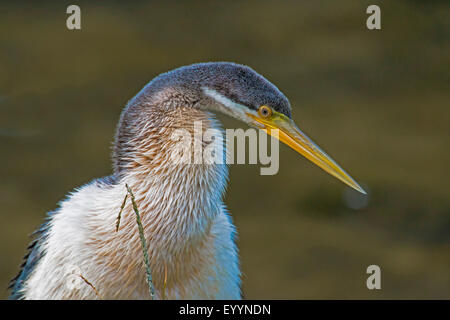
(291, 135)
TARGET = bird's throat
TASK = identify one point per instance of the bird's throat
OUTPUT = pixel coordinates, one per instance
(176, 198)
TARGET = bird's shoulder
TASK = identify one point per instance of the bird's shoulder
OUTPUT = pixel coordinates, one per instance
(36, 248)
(35, 252)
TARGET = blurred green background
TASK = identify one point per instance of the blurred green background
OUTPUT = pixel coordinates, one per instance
(377, 101)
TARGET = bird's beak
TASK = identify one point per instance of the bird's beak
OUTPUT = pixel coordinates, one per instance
(290, 134)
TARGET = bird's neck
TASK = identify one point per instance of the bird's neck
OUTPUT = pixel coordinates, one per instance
(177, 200)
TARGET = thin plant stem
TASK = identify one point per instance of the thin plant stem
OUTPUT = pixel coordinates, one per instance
(120, 212)
(143, 243)
(90, 285)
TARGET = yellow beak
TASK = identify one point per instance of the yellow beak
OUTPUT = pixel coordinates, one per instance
(284, 129)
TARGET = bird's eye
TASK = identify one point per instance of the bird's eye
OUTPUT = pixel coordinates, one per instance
(265, 112)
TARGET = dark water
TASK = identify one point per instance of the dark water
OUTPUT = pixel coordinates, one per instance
(377, 101)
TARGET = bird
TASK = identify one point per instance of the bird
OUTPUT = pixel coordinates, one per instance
(190, 233)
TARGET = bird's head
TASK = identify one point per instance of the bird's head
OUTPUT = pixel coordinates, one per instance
(242, 93)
